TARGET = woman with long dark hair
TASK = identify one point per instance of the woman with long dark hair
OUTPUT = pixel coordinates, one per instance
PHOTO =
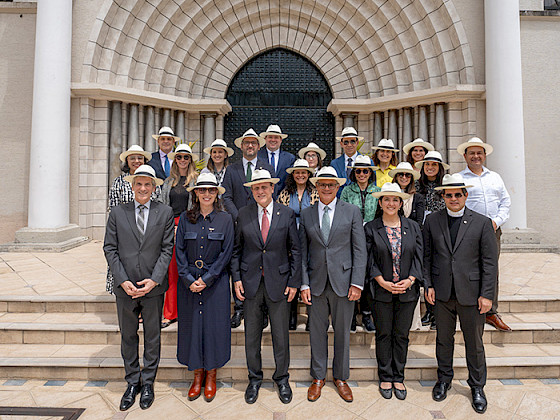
(416, 150)
(204, 245)
(314, 155)
(218, 161)
(413, 207)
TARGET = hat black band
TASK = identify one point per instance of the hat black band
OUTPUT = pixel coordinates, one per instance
(362, 164)
(143, 174)
(350, 135)
(456, 184)
(387, 148)
(201, 183)
(261, 179)
(327, 176)
(432, 159)
(166, 133)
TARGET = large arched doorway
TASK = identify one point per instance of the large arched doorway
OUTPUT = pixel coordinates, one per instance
(281, 87)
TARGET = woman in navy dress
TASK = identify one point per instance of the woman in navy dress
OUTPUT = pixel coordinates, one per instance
(204, 245)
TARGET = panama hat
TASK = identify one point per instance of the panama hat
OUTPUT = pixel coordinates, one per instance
(273, 130)
(390, 188)
(363, 161)
(250, 133)
(327, 173)
(452, 181)
(349, 132)
(433, 156)
(300, 164)
(183, 148)
(144, 170)
(166, 131)
(218, 144)
(312, 147)
(404, 167)
(135, 150)
(207, 180)
(385, 144)
(260, 176)
(418, 142)
(474, 141)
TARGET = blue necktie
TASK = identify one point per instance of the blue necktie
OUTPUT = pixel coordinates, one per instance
(348, 170)
(166, 168)
(272, 163)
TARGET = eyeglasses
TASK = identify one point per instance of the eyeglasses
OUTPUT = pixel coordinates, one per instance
(361, 171)
(211, 190)
(134, 158)
(347, 142)
(456, 195)
(327, 186)
(181, 157)
(250, 143)
(405, 175)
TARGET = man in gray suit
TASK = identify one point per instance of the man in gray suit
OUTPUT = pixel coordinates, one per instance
(138, 248)
(334, 259)
(460, 266)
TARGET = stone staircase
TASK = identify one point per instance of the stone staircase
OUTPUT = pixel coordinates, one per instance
(77, 338)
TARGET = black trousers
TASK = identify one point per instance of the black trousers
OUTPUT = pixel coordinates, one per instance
(472, 326)
(392, 326)
(364, 305)
(279, 313)
(128, 310)
(494, 309)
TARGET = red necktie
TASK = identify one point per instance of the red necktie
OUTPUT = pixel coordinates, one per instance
(265, 225)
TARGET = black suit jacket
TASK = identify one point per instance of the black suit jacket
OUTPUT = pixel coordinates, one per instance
(380, 259)
(472, 263)
(285, 161)
(236, 195)
(131, 258)
(155, 162)
(279, 258)
(418, 208)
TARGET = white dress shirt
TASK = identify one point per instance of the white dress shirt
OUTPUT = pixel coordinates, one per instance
(488, 196)
(146, 212)
(269, 210)
(162, 157)
(253, 165)
(276, 157)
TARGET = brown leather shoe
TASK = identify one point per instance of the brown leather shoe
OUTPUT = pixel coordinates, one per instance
(343, 390)
(496, 321)
(314, 391)
(196, 387)
(210, 385)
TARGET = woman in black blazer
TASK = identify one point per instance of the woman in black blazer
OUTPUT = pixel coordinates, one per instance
(413, 207)
(394, 246)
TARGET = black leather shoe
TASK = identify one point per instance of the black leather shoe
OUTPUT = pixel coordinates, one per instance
(367, 323)
(433, 325)
(439, 393)
(252, 393)
(129, 397)
(399, 393)
(236, 319)
(146, 396)
(285, 392)
(307, 325)
(293, 321)
(353, 325)
(427, 318)
(479, 402)
(265, 321)
(386, 393)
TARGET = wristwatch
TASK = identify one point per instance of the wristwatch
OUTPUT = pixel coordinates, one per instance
(412, 283)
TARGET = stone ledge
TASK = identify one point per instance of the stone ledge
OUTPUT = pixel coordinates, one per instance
(45, 246)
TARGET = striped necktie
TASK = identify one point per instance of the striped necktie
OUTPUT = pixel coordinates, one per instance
(140, 219)
(326, 224)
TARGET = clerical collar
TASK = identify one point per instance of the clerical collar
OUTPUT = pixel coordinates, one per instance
(456, 213)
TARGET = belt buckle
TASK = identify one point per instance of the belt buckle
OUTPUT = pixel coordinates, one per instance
(199, 264)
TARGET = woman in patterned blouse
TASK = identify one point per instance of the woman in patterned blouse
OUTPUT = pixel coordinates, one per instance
(219, 159)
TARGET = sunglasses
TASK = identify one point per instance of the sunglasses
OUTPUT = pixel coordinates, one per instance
(327, 186)
(405, 175)
(182, 157)
(347, 142)
(211, 190)
(361, 171)
(456, 195)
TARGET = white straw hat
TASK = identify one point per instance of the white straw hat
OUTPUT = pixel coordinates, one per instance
(259, 176)
(404, 167)
(218, 144)
(327, 173)
(418, 142)
(393, 189)
(144, 170)
(250, 133)
(433, 156)
(166, 131)
(385, 144)
(300, 164)
(183, 148)
(474, 141)
(273, 130)
(452, 181)
(207, 180)
(349, 132)
(363, 161)
(312, 147)
(135, 150)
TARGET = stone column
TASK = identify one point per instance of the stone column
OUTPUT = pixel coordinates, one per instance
(166, 118)
(440, 140)
(377, 127)
(115, 141)
(349, 120)
(209, 131)
(504, 102)
(393, 125)
(406, 130)
(423, 132)
(133, 137)
(180, 126)
(49, 161)
(149, 129)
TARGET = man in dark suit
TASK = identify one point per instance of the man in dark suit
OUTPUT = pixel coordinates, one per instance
(138, 248)
(161, 163)
(334, 260)
(278, 159)
(238, 196)
(266, 270)
(460, 266)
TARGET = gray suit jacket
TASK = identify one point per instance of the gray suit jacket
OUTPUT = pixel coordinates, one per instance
(132, 259)
(343, 258)
(472, 264)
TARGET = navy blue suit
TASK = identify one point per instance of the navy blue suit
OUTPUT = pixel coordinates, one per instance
(339, 164)
(155, 162)
(285, 161)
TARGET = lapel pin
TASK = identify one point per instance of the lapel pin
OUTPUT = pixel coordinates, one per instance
(464, 221)
(278, 213)
(405, 232)
(211, 229)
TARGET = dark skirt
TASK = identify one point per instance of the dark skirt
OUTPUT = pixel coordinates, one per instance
(204, 331)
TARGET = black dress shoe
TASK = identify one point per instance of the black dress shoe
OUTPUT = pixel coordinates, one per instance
(399, 393)
(433, 325)
(367, 323)
(252, 393)
(265, 321)
(285, 392)
(146, 396)
(353, 325)
(479, 402)
(386, 393)
(307, 325)
(129, 397)
(439, 393)
(427, 318)
(236, 319)
(293, 321)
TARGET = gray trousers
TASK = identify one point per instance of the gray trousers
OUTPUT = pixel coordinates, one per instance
(341, 311)
(494, 309)
(128, 310)
(279, 314)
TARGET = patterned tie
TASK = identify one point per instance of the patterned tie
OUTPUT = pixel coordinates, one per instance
(166, 168)
(265, 225)
(272, 163)
(326, 224)
(249, 174)
(348, 170)
(140, 219)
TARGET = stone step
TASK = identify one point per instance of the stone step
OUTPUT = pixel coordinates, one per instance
(530, 248)
(106, 303)
(102, 328)
(103, 362)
